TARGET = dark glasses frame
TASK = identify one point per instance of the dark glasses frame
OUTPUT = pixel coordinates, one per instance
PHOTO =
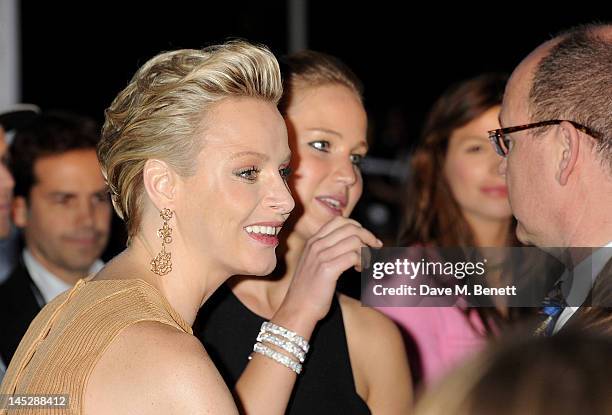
(502, 144)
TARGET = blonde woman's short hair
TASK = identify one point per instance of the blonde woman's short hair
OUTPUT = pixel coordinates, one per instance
(163, 109)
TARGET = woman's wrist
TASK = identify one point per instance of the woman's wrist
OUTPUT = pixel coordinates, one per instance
(295, 319)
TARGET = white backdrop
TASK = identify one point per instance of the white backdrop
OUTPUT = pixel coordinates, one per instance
(9, 53)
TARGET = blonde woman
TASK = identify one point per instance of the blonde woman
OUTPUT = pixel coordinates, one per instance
(180, 147)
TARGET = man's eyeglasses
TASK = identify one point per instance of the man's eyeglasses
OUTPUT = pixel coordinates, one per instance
(502, 143)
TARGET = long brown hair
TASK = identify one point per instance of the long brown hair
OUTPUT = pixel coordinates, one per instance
(432, 216)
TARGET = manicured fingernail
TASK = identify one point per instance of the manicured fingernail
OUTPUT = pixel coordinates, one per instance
(380, 243)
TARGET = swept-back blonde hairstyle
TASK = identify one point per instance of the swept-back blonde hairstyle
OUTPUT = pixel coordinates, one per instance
(161, 112)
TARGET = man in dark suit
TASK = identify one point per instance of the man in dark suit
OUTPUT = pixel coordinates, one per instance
(556, 139)
(61, 203)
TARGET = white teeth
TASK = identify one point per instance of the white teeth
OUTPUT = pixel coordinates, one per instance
(333, 202)
(265, 230)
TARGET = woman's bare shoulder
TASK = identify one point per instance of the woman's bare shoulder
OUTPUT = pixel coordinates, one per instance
(378, 358)
(364, 319)
(155, 368)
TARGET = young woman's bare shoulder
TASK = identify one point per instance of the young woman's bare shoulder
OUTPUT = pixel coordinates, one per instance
(364, 320)
(378, 357)
(155, 368)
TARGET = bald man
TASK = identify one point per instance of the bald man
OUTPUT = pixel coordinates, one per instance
(556, 140)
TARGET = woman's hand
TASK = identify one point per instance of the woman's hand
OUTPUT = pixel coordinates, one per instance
(332, 250)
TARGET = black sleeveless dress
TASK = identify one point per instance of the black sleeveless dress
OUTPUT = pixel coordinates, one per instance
(228, 330)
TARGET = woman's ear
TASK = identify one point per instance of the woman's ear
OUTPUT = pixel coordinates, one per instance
(160, 183)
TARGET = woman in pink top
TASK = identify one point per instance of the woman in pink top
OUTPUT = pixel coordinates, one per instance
(456, 199)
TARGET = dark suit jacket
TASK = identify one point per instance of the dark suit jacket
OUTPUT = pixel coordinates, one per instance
(18, 307)
(596, 313)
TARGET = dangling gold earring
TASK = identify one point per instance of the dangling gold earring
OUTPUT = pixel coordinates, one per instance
(162, 263)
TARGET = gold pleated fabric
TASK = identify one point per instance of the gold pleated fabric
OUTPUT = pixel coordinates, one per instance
(70, 334)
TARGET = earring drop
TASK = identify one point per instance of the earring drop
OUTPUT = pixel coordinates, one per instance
(162, 263)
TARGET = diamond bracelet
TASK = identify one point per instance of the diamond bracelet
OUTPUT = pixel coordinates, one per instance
(286, 345)
(277, 357)
(292, 336)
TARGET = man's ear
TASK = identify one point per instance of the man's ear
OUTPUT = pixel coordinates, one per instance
(160, 183)
(570, 142)
(20, 211)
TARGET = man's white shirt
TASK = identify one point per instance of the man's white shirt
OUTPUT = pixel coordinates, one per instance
(48, 284)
